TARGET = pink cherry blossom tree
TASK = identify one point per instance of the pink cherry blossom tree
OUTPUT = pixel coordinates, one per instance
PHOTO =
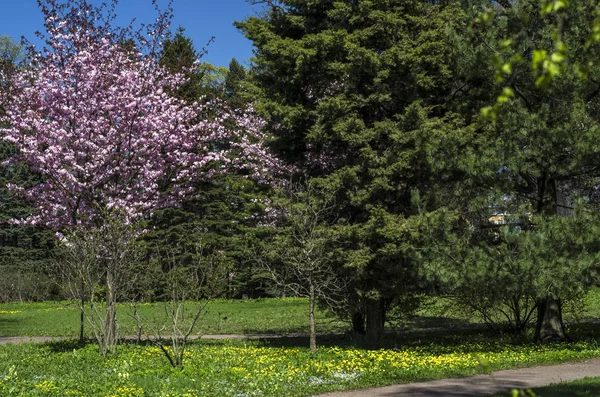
(94, 116)
(92, 113)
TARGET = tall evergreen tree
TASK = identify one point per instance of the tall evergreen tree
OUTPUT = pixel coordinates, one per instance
(236, 75)
(356, 94)
(551, 130)
(178, 54)
(536, 153)
(225, 211)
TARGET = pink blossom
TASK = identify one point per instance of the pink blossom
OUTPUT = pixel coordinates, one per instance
(93, 118)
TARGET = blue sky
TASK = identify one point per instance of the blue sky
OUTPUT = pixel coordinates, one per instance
(201, 19)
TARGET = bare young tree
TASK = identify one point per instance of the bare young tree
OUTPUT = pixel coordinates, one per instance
(192, 277)
(97, 259)
(300, 258)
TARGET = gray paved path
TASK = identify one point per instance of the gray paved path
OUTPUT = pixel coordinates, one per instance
(9, 340)
(482, 385)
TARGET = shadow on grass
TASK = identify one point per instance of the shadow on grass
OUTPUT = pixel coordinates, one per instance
(5, 320)
(68, 345)
(570, 390)
(9, 326)
(583, 388)
(341, 340)
(434, 330)
(435, 322)
(465, 338)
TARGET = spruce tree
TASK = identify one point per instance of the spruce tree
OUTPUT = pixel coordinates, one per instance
(234, 79)
(357, 95)
(224, 213)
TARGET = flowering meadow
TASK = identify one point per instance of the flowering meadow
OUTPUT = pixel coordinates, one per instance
(280, 367)
(235, 368)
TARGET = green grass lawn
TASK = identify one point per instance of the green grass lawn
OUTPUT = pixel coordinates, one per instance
(588, 387)
(580, 388)
(252, 316)
(221, 317)
(437, 346)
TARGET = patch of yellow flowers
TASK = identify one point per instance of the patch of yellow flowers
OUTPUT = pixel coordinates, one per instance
(253, 361)
(127, 391)
(47, 387)
(10, 311)
(235, 369)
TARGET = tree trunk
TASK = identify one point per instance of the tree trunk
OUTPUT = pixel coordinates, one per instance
(82, 308)
(375, 322)
(552, 201)
(358, 323)
(550, 327)
(313, 328)
(82, 312)
(110, 325)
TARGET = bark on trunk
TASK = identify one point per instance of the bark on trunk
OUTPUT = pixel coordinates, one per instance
(375, 322)
(110, 325)
(550, 327)
(553, 201)
(82, 312)
(313, 328)
(358, 323)
(82, 308)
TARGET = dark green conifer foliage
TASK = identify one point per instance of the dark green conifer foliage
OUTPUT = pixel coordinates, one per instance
(357, 93)
(25, 251)
(223, 216)
(234, 79)
(178, 55)
(531, 161)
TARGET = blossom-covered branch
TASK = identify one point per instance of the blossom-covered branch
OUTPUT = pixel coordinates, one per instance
(95, 117)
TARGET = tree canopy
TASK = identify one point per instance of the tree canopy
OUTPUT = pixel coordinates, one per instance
(356, 94)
